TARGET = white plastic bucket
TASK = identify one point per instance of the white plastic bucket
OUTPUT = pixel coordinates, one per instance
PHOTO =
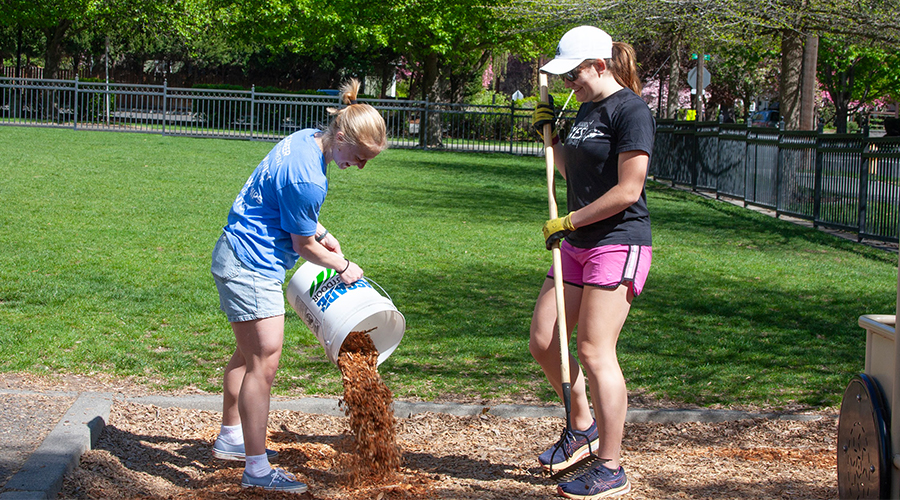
(332, 309)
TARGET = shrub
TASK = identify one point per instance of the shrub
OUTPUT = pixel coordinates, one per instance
(92, 105)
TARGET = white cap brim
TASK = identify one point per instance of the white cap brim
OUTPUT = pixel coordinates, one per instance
(578, 45)
(559, 65)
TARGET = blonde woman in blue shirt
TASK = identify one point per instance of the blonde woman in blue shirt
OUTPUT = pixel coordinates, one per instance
(273, 223)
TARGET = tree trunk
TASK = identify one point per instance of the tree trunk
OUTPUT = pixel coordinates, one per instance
(55, 37)
(791, 63)
(841, 99)
(839, 85)
(431, 92)
(674, 79)
(808, 95)
(76, 63)
(387, 76)
(495, 77)
(19, 52)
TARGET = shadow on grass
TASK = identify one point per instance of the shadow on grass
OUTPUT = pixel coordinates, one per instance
(676, 211)
(490, 188)
(749, 323)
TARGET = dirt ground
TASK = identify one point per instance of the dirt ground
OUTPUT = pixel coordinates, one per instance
(154, 453)
(149, 452)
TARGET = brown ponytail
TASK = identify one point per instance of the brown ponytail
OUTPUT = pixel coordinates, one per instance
(361, 124)
(623, 65)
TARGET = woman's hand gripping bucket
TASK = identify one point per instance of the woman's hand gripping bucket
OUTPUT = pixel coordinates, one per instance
(332, 309)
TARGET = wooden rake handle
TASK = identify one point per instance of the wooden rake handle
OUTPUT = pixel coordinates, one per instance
(557, 261)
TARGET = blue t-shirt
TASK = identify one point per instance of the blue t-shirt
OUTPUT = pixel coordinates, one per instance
(282, 197)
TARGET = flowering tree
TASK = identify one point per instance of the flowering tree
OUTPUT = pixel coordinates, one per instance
(651, 90)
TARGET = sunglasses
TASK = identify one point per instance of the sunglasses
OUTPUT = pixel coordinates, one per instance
(571, 76)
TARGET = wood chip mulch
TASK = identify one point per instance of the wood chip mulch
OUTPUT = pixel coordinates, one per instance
(155, 453)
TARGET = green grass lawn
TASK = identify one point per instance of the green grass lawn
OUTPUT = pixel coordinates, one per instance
(106, 240)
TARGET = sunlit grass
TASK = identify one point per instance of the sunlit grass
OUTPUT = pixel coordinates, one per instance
(106, 242)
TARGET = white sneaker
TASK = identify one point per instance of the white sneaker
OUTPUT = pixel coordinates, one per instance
(276, 480)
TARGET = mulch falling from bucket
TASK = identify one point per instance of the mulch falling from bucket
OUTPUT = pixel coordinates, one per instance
(369, 404)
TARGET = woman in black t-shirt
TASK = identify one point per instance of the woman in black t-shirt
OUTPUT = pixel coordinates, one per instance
(606, 249)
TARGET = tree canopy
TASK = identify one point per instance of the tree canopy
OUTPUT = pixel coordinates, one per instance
(443, 46)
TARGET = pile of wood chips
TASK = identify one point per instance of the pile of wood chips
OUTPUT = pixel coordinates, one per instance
(369, 404)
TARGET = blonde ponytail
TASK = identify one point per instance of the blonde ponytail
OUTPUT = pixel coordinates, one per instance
(349, 91)
(361, 124)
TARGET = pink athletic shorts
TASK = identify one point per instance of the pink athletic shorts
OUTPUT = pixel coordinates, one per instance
(607, 266)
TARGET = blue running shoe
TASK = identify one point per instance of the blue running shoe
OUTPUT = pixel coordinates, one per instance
(275, 480)
(598, 482)
(226, 451)
(571, 447)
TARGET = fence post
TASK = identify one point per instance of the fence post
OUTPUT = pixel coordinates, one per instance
(695, 151)
(747, 162)
(674, 171)
(863, 186)
(75, 106)
(423, 126)
(820, 167)
(716, 165)
(779, 167)
(252, 109)
(512, 124)
(165, 105)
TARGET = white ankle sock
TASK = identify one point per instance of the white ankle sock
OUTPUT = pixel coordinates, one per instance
(231, 434)
(257, 465)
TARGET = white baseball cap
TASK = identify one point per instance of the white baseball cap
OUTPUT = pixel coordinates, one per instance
(578, 45)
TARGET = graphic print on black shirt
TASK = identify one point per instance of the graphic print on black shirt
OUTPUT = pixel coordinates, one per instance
(581, 132)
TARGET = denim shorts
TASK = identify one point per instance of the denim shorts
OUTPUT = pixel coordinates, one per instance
(606, 266)
(244, 294)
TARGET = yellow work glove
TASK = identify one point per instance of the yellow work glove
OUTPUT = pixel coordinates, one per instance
(544, 114)
(557, 229)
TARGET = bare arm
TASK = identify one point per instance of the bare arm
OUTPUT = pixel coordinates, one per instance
(326, 253)
(632, 174)
(559, 158)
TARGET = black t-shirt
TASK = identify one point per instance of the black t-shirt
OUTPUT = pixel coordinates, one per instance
(622, 122)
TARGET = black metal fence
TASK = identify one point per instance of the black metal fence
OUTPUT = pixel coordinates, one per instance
(252, 115)
(847, 182)
(840, 181)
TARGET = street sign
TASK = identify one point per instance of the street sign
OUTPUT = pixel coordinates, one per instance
(692, 78)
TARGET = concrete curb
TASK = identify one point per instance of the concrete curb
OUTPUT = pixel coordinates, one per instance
(41, 476)
(326, 406)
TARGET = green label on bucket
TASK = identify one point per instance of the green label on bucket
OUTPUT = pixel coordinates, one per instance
(321, 278)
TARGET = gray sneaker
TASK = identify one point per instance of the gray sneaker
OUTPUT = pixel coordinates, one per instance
(276, 480)
(226, 451)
